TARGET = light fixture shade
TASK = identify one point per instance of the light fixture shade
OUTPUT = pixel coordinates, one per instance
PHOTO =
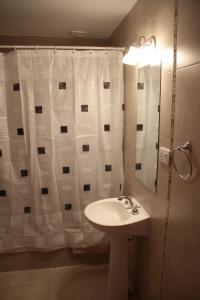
(131, 58)
(143, 53)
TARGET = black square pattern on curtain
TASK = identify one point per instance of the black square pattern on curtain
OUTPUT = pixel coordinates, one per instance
(138, 166)
(106, 127)
(38, 109)
(61, 153)
(63, 129)
(139, 127)
(85, 148)
(66, 170)
(24, 173)
(84, 108)
(106, 85)
(20, 131)
(44, 191)
(68, 206)
(27, 209)
(41, 150)
(108, 168)
(62, 85)
(16, 87)
(86, 187)
(2, 193)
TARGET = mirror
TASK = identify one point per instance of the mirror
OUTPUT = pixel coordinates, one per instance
(147, 136)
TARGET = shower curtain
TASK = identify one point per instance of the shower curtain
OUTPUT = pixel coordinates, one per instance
(61, 129)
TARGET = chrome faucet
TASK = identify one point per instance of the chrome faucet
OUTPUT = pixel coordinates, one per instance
(128, 200)
(134, 208)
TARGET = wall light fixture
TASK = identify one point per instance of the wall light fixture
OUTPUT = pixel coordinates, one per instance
(143, 52)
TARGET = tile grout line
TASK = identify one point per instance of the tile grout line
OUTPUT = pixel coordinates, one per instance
(188, 66)
(171, 143)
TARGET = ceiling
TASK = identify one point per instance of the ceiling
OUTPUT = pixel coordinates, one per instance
(55, 18)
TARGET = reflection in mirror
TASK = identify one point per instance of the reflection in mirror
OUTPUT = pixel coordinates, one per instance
(148, 107)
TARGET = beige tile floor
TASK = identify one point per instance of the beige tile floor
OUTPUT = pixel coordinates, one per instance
(80, 282)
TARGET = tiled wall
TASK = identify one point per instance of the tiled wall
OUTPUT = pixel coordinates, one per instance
(182, 267)
(168, 264)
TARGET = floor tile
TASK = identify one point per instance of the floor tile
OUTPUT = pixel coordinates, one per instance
(78, 283)
(29, 277)
(4, 279)
(4, 293)
(35, 292)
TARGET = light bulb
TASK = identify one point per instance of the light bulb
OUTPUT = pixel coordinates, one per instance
(131, 58)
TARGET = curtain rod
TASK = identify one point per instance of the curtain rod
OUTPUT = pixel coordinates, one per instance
(61, 47)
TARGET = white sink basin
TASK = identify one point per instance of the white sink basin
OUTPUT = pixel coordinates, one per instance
(111, 216)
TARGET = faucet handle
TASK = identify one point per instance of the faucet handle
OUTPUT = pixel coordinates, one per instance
(135, 210)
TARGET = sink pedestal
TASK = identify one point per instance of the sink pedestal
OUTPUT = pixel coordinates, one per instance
(118, 268)
(114, 218)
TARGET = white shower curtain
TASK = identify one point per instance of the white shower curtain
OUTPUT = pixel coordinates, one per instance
(61, 128)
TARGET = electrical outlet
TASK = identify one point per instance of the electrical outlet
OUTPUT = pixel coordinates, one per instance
(164, 156)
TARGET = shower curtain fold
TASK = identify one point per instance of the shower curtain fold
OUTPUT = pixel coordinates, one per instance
(61, 129)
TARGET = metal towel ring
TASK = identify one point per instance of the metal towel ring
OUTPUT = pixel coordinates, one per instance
(186, 149)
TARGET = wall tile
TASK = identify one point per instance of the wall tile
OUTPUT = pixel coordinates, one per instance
(157, 19)
(150, 256)
(186, 195)
(157, 5)
(157, 208)
(183, 244)
(173, 287)
(132, 273)
(133, 25)
(129, 181)
(162, 26)
(188, 33)
(129, 148)
(187, 121)
(130, 74)
(130, 97)
(149, 268)
(182, 271)
(129, 139)
(165, 104)
(145, 291)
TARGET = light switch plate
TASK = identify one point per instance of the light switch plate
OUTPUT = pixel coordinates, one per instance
(164, 156)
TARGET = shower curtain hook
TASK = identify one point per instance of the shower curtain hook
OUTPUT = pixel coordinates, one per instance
(55, 50)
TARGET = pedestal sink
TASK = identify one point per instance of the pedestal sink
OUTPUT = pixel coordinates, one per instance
(116, 218)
